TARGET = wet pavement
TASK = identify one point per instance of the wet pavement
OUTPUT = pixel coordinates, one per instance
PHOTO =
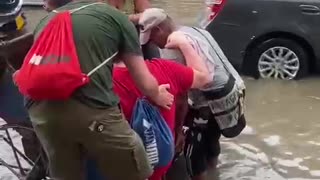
(282, 140)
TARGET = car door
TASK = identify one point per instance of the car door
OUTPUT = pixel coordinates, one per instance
(232, 28)
(309, 22)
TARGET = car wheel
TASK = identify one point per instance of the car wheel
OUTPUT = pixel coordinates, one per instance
(279, 59)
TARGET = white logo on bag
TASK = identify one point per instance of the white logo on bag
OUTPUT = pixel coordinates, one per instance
(48, 59)
(35, 59)
(151, 144)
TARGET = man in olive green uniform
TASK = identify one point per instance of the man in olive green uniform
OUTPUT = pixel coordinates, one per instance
(91, 120)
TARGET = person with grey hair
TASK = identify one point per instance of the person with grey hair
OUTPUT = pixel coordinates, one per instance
(213, 110)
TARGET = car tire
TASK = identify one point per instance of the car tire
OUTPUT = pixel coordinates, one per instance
(252, 59)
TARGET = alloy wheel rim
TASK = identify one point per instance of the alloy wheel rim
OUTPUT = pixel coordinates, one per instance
(278, 63)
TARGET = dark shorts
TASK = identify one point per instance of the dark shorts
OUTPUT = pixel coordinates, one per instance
(202, 141)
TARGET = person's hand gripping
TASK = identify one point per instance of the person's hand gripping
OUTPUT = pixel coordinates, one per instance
(165, 98)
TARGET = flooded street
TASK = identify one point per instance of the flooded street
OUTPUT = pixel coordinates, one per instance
(282, 140)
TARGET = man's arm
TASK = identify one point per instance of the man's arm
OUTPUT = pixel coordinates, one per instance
(194, 58)
(182, 106)
(201, 75)
(17, 48)
(140, 6)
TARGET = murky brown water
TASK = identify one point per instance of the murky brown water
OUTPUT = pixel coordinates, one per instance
(282, 140)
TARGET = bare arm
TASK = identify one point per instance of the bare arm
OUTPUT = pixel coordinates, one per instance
(182, 106)
(193, 59)
(140, 6)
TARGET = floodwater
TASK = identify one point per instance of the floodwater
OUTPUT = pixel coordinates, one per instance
(282, 140)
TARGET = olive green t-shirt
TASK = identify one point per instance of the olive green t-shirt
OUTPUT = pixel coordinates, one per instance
(129, 7)
(99, 31)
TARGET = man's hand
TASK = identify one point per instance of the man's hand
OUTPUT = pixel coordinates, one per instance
(175, 40)
(164, 97)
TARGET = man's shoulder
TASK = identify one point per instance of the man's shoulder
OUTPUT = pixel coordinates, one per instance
(42, 23)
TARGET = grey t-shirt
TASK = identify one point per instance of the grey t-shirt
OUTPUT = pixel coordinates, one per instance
(213, 62)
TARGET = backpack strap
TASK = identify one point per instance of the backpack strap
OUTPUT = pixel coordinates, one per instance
(85, 6)
(102, 64)
(105, 61)
(79, 8)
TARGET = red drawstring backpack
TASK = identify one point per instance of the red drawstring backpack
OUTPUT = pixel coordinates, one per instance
(51, 69)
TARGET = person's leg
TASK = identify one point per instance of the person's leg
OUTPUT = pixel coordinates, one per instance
(195, 153)
(195, 150)
(117, 149)
(205, 133)
(212, 171)
(213, 135)
(213, 162)
(57, 139)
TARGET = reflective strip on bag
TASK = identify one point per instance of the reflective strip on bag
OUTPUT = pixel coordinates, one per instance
(227, 110)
